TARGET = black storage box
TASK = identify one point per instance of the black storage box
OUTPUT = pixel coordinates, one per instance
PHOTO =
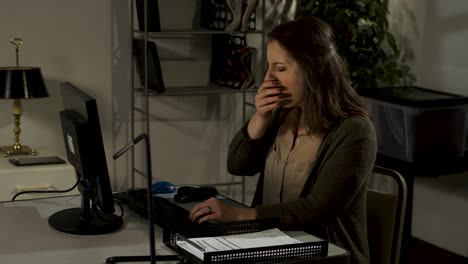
(415, 124)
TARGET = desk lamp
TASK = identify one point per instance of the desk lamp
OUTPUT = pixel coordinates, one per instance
(20, 83)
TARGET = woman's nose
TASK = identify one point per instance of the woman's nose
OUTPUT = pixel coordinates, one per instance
(269, 75)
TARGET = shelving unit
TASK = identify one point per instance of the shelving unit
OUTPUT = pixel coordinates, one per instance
(209, 89)
(194, 90)
(175, 33)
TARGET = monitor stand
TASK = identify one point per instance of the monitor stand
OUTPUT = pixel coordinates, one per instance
(84, 221)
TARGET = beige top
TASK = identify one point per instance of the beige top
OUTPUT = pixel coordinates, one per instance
(288, 164)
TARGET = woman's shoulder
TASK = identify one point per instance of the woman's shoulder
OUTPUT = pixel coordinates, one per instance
(357, 122)
(356, 127)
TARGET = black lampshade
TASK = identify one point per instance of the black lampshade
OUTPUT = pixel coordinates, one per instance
(22, 83)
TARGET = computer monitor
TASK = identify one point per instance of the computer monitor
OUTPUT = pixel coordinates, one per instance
(85, 151)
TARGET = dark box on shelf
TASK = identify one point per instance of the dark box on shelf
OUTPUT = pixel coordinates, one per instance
(417, 124)
(216, 15)
(233, 62)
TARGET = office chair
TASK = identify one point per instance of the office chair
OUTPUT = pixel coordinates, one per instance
(386, 204)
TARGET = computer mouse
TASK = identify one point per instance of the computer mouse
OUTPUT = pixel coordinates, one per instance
(163, 187)
(188, 194)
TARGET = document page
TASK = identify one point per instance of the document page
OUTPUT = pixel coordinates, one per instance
(271, 237)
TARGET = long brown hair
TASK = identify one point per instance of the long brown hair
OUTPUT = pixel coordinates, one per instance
(329, 93)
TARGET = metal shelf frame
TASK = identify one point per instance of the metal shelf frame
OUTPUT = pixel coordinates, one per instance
(184, 91)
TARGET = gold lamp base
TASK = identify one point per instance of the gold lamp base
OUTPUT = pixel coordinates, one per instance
(12, 151)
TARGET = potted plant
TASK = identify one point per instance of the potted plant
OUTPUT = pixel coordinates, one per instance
(363, 38)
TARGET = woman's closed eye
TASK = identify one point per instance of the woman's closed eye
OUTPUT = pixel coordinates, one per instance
(280, 68)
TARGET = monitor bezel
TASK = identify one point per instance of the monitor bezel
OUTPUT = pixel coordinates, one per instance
(95, 169)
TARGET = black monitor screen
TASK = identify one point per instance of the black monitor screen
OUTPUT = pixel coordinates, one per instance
(85, 151)
(91, 164)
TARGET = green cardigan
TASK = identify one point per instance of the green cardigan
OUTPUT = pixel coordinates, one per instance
(332, 204)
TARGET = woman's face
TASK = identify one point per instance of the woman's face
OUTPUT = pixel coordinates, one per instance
(283, 68)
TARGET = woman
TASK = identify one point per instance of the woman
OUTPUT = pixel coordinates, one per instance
(310, 137)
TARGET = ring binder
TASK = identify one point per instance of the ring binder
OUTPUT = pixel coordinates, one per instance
(269, 254)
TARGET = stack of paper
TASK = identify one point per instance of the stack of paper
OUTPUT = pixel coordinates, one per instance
(271, 237)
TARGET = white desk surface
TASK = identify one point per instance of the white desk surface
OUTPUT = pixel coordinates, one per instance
(28, 238)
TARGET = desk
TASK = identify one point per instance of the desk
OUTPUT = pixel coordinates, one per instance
(28, 238)
(38, 177)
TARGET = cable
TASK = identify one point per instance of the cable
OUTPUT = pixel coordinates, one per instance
(121, 209)
(97, 210)
(50, 191)
(94, 205)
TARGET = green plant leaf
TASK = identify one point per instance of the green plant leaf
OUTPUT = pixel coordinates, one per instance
(392, 42)
(361, 30)
(310, 4)
(360, 3)
(372, 9)
(349, 12)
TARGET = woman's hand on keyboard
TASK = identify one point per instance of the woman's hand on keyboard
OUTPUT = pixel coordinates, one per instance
(215, 210)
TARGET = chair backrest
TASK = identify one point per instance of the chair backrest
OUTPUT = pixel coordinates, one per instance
(386, 204)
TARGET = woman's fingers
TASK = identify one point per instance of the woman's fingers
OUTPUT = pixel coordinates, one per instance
(203, 215)
(268, 84)
(268, 96)
(210, 207)
(198, 211)
(268, 100)
(269, 93)
(207, 217)
(215, 210)
(268, 103)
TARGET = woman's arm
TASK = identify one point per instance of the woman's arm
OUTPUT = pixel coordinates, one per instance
(248, 149)
(246, 156)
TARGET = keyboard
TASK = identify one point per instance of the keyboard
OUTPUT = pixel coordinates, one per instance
(166, 213)
(173, 218)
